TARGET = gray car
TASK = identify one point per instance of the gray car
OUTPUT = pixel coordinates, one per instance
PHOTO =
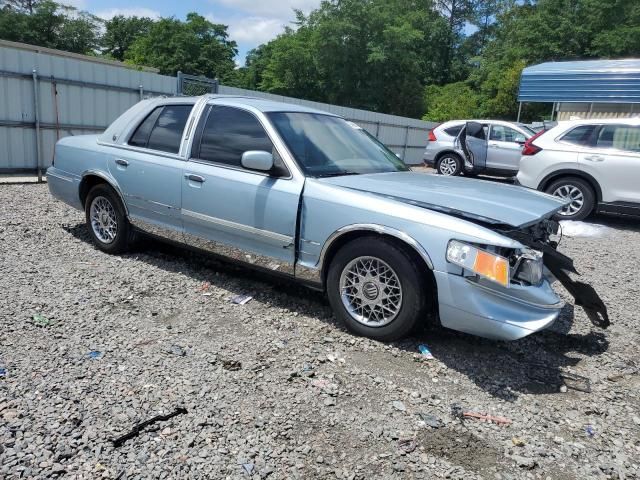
(498, 147)
(312, 197)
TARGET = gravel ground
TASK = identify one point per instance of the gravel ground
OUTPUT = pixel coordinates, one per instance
(275, 388)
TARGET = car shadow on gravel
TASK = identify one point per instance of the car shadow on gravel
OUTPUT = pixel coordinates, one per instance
(535, 365)
(538, 364)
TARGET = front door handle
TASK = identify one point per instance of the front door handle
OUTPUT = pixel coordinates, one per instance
(594, 158)
(194, 178)
(122, 162)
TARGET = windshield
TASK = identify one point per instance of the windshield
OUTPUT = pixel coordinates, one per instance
(327, 146)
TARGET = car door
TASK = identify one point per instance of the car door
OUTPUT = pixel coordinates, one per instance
(473, 142)
(614, 161)
(148, 169)
(505, 147)
(233, 211)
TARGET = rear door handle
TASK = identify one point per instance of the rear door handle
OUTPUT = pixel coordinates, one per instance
(594, 158)
(194, 178)
(122, 162)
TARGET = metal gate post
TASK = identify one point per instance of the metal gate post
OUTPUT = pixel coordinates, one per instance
(519, 111)
(37, 119)
(141, 92)
(377, 129)
(406, 143)
(179, 83)
(216, 85)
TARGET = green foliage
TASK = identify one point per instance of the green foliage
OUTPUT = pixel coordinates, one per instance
(121, 32)
(50, 25)
(451, 101)
(195, 46)
(405, 57)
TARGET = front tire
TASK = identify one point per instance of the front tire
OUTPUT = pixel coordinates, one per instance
(106, 219)
(578, 192)
(376, 289)
(449, 164)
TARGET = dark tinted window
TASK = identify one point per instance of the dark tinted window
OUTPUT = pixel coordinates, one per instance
(228, 133)
(167, 132)
(141, 136)
(580, 135)
(620, 137)
(453, 131)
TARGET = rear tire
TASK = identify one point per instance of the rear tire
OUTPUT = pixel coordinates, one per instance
(376, 289)
(449, 164)
(579, 192)
(106, 219)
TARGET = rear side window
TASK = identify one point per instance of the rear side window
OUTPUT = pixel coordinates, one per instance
(580, 135)
(453, 131)
(162, 129)
(620, 137)
(228, 133)
(500, 133)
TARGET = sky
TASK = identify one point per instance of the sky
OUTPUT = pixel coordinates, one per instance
(251, 22)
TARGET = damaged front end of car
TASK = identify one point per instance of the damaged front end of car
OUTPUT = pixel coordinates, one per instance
(541, 252)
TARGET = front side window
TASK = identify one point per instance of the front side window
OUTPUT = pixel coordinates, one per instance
(229, 132)
(580, 135)
(500, 133)
(326, 146)
(162, 129)
(620, 137)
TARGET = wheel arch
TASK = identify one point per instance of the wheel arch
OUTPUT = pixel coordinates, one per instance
(568, 172)
(351, 232)
(442, 153)
(91, 178)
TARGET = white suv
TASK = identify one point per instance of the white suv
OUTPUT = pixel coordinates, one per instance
(593, 164)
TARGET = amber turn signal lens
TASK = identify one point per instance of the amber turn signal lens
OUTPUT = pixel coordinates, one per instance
(492, 266)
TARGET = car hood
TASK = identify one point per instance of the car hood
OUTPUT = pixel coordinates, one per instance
(476, 200)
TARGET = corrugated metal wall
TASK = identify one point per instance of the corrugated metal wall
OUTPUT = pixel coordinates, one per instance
(76, 95)
(80, 95)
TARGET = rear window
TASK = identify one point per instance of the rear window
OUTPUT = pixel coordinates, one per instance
(580, 135)
(453, 131)
(162, 129)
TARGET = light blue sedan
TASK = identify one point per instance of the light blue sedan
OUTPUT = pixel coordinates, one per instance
(308, 195)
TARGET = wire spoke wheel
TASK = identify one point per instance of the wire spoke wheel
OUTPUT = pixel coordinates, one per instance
(104, 221)
(572, 194)
(370, 291)
(448, 166)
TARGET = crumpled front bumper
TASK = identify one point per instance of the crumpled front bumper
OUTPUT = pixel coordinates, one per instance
(476, 307)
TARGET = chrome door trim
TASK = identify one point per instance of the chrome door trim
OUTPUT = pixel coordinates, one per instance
(285, 239)
(61, 177)
(239, 255)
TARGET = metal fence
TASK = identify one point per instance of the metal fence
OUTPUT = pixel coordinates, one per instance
(48, 94)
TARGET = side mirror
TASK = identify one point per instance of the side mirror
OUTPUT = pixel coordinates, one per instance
(257, 160)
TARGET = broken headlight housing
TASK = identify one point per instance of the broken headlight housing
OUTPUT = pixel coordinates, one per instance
(528, 267)
(522, 267)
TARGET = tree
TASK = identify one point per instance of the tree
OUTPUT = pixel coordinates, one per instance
(451, 101)
(120, 32)
(50, 25)
(195, 46)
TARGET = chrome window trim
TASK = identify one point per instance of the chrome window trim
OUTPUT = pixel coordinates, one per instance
(276, 140)
(148, 151)
(285, 239)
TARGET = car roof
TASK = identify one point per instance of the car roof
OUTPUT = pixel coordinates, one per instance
(600, 121)
(261, 104)
(459, 122)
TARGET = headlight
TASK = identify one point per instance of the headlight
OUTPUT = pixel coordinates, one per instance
(486, 264)
(529, 267)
